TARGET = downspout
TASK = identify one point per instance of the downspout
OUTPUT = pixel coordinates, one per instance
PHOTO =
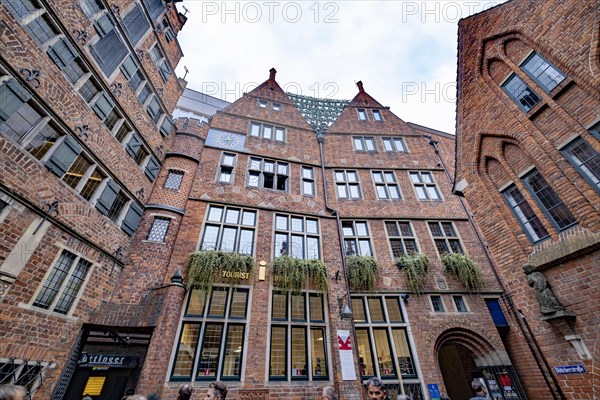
(320, 139)
(517, 315)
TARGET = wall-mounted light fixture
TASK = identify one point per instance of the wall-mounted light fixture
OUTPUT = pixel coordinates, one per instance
(405, 297)
(345, 311)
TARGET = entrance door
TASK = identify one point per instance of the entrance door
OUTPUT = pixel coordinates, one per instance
(457, 364)
(107, 384)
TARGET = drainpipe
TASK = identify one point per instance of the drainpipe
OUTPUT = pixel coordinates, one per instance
(517, 314)
(320, 139)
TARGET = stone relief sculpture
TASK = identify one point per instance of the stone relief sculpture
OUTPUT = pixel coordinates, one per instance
(549, 304)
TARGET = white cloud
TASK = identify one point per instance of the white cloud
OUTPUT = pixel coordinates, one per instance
(403, 51)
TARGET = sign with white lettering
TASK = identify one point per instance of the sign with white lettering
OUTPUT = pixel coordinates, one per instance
(570, 369)
(108, 361)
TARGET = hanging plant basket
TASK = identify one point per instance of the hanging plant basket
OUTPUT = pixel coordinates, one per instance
(294, 274)
(465, 269)
(204, 266)
(361, 273)
(415, 267)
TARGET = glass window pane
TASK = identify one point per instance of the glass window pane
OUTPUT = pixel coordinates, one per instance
(415, 178)
(421, 192)
(254, 164)
(394, 192)
(392, 228)
(384, 353)
(232, 361)
(435, 229)
(387, 144)
(277, 364)
(297, 224)
(228, 239)
(426, 177)
(281, 245)
(279, 310)
(352, 176)
(307, 172)
(232, 216)
(209, 241)
(433, 193)
(254, 129)
(378, 177)
(298, 307)
(268, 132)
(246, 242)
(299, 366)
(312, 226)
(209, 355)
(281, 222)
(296, 247)
(381, 192)
(389, 177)
(399, 145)
(214, 214)
(361, 229)
(308, 188)
(313, 250)
(376, 309)
(370, 144)
(365, 248)
(403, 352)
(342, 191)
(358, 145)
(239, 301)
(249, 218)
(218, 301)
(358, 309)
(365, 355)
(317, 348)
(316, 307)
(184, 359)
(348, 228)
(340, 176)
(196, 302)
(393, 309)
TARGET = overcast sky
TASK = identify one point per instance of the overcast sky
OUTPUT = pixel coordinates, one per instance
(403, 51)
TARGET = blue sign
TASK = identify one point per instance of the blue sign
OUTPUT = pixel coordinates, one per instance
(434, 391)
(570, 369)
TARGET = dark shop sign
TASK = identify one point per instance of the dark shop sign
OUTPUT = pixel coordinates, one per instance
(570, 369)
(108, 361)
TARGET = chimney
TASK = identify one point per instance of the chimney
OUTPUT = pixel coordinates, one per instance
(360, 87)
(272, 73)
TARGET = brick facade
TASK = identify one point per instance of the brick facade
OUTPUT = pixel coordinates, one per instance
(499, 144)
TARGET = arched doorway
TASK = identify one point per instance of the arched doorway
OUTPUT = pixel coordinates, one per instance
(464, 355)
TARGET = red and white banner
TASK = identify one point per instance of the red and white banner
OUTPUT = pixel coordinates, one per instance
(346, 356)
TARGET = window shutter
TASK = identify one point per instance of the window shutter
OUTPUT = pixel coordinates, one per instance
(165, 70)
(136, 24)
(64, 156)
(12, 97)
(110, 50)
(108, 196)
(132, 218)
(167, 126)
(154, 110)
(133, 146)
(129, 67)
(103, 106)
(62, 53)
(152, 168)
(155, 8)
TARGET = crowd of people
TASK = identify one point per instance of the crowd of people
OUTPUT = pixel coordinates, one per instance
(376, 390)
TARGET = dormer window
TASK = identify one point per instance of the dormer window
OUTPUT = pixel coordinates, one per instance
(362, 115)
(263, 103)
(377, 115)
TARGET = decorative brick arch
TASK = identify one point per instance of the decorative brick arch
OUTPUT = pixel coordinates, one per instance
(486, 348)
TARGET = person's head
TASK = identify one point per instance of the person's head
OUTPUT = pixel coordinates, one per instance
(216, 391)
(12, 392)
(376, 389)
(478, 387)
(329, 393)
(185, 392)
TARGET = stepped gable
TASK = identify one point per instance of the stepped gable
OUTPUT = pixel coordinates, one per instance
(348, 120)
(247, 107)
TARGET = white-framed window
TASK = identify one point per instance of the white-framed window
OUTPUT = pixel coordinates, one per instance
(63, 283)
(459, 303)
(402, 238)
(521, 94)
(425, 186)
(357, 240)
(212, 337)
(445, 237)
(226, 168)
(362, 114)
(437, 305)
(229, 229)
(364, 143)
(268, 174)
(382, 340)
(267, 131)
(159, 228)
(174, 179)
(308, 181)
(386, 186)
(298, 337)
(346, 184)
(297, 237)
(377, 115)
(394, 144)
